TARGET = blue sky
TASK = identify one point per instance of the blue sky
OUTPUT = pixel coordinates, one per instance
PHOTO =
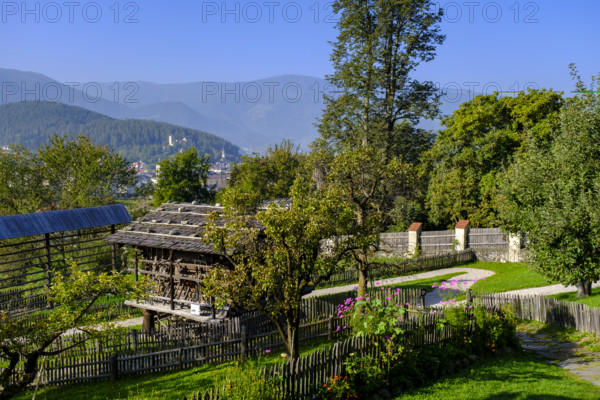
(489, 44)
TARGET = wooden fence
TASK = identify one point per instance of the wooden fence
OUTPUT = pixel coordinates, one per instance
(302, 378)
(28, 263)
(548, 310)
(405, 267)
(437, 242)
(487, 238)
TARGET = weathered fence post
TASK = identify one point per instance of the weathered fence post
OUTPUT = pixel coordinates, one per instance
(180, 357)
(244, 343)
(114, 368)
(469, 295)
(423, 294)
(329, 327)
(134, 339)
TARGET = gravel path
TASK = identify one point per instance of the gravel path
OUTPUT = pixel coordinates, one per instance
(546, 290)
(465, 281)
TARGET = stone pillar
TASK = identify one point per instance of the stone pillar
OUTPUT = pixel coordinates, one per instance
(514, 247)
(461, 234)
(414, 237)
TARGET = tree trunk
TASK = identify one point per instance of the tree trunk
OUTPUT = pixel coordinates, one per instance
(29, 374)
(292, 343)
(584, 288)
(362, 280)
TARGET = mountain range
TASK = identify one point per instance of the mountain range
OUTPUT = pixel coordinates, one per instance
(251, 114)
(30, 123)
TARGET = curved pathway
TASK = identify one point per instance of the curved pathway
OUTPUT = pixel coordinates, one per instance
(464, 281)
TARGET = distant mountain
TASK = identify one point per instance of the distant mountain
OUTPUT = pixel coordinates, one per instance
(31, 123)
(250, 114)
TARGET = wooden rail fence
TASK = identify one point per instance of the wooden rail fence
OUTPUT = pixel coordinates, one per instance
(549, 310)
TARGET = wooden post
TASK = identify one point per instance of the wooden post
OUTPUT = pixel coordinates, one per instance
(244, 343)
(114, 248)
(134, 339)
(469, 296)
(212, 307)
(329, 327)
(48, 267)
(171, 281)
(423, 294)
(136, 264)
(114, 368)
(148, 324)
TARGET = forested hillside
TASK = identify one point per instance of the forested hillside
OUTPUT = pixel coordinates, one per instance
(31, 123)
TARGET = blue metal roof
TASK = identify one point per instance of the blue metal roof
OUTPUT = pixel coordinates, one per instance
(13, 226)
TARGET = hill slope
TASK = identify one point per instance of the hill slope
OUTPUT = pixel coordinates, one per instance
(31, 123)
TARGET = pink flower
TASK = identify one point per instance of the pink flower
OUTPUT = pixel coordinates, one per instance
(474, 280)
(434, 311)
(344, 327)
(267, 351)
(377, 283)
(338, 328)
(482, 278)
(387, 298)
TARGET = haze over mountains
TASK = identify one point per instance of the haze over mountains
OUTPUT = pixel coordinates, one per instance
(249, 114)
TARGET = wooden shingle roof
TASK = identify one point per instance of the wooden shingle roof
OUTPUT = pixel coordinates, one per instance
(173, 226)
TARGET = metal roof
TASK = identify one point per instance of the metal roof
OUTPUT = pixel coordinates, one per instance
(13, 226)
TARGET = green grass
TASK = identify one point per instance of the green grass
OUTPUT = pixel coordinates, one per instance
(508, 276)
(592, 301)
(511, 377)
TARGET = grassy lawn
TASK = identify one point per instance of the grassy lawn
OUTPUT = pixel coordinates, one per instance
(511, 377)
(592, 301)
(509, 276)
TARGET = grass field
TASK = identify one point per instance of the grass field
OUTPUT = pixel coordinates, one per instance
(592, 301)
(511, 377)
(508, 276)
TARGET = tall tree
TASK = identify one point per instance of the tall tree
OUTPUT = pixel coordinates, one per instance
(553, 194)
(79, 173)
(479, 140)
(183, 178)
(265, 177)
(63, 173)
(277, 254)
(371, 122)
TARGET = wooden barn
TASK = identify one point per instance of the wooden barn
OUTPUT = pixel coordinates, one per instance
(169, 248)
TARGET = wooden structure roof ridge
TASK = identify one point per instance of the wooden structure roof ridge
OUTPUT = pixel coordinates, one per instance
(40, 223)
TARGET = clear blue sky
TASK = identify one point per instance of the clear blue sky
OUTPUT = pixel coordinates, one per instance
(169, 42)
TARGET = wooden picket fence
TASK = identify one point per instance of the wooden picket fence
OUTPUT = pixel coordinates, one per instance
(302, 378)
(405, 267)
(176, 335)
(548, 310)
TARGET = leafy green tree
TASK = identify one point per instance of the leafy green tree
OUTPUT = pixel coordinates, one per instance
(553, 194)
(78, 173)
(277, 255)
(264, 177)
(26, 339)
(21, 183)
(479, 140)
(183, 178)
(61, 174)
(369, 127)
